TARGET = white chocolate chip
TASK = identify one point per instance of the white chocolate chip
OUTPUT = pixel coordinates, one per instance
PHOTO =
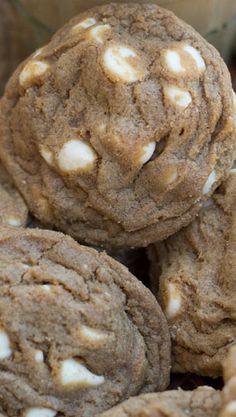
(47, 155)
(147, 152)
(98, 32)
(229, 410)
(233, 171)
(91, 335)
(173, 61)
(84, 24)
(39, 356)
(121, 63)
(13, 221)
(5, 346)
(46, 287)
(231, 407)
(39, 412)
(72, 372)
(76, 155)
(181, 98)
(209, 182)
(195, 54)
(234, 101)
(174, 301)
(38, 52)
(32, 71)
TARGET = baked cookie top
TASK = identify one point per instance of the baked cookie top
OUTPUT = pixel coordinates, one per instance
(78, 332)
(193, 276)
(201, 402)
(120, 127)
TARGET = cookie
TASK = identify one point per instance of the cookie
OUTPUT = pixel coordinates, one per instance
(9, 42)
(78, 333)
(229, 391)
(193, 276)
(202, 402)
(13, 210)
(122, 126)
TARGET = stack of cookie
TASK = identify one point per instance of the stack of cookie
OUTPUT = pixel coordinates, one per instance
(121, 133)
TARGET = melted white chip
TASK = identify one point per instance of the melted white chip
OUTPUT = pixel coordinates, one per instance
(122, 64)
(231, 407)
(46, 287)
(39, 356)
(173, 61)
(47, 155)
(39, 412)
(97, 33)
(13, 221)
(73, 372)
(5, 346)
(85, 24)
(178, 96)
(209, 182)
(147, 152)
(32, 71)
(76, 155)
(91, 335)
(233, 171)
(174, 301)
(195, 54)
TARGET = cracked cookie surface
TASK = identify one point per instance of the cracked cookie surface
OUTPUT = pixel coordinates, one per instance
(193, 276)
(201, 402)
(118, 128)
(78, 333)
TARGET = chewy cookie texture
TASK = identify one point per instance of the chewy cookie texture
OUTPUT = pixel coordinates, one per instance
(78, 333)
(119, 129)
(193, 276)
(202, 402)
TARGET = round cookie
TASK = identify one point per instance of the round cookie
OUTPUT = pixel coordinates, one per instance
(13, 210)
(122, 125)
(193, 276)
(78, 332)
(202, 402)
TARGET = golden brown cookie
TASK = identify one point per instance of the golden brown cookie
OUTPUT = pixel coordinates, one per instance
(122, 125)
(78, 332)
(202, 402)
(13, 210)
(193, 275)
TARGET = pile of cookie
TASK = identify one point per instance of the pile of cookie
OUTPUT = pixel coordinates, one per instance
(121, 133)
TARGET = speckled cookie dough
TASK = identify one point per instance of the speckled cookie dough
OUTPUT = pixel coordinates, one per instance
(193, 276)
(13, 210)
(229, 391)
(202, 402)
(78, 332)
(122, 126)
